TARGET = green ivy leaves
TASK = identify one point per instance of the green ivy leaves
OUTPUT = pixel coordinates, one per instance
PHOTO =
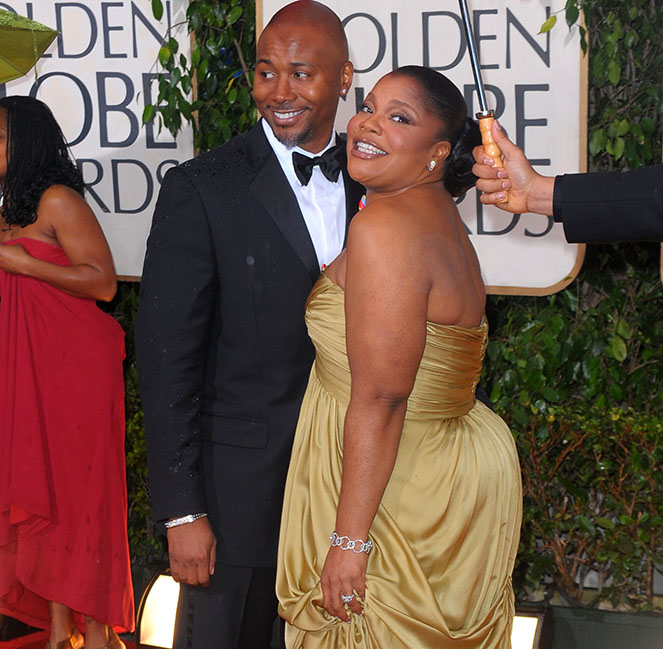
(626, 93)
(234, 15)
(157, 9)
(593, 498)
(577, 376)
(212, 89)
(548, 24)
(571, 12)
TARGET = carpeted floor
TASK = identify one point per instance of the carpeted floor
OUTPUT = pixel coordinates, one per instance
(38, 640)
(33, 640)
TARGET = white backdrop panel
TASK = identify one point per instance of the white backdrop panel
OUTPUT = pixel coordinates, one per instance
(97, 77)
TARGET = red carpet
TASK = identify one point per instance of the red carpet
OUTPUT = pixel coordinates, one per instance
(31, 641)
(38, 641)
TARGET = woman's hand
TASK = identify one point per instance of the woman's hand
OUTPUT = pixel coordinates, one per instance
(14, 258)
(344, 573)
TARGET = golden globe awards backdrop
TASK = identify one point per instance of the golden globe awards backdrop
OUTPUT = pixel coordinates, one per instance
(536, 84)
(99, 74)
(97, 77)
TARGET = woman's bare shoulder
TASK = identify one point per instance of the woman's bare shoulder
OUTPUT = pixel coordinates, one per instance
(390, 234)
(58, 196)
(63, 213)
(60, 203)
(387, 218)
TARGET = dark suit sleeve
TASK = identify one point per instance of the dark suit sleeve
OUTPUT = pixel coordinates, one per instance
(177, 301)
(612, 206)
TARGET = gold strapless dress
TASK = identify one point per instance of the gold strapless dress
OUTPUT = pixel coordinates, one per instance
(446, 533)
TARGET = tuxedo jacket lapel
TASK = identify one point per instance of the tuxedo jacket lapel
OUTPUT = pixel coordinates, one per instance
(270, 187)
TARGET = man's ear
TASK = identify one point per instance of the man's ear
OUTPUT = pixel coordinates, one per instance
(347, 72)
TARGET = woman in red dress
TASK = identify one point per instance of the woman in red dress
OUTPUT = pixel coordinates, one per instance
(64, 558)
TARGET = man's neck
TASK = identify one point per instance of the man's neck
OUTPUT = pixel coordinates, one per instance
(303, 148)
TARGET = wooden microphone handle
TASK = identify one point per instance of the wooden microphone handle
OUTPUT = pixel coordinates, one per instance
(490, 146)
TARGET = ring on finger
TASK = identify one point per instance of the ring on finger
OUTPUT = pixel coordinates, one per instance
(346, 599)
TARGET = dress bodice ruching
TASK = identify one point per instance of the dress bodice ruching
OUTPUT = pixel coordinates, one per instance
(448, 374)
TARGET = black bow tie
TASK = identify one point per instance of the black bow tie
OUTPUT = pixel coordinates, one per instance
(330, 164)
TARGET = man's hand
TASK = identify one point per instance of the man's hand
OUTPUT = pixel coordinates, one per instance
(528, 190)
(192, 552)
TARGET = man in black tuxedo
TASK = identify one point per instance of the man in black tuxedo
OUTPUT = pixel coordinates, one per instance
(593, 207)
(238, 238)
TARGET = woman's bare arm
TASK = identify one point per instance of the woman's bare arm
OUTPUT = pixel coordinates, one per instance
(65, 218)
(386, 295)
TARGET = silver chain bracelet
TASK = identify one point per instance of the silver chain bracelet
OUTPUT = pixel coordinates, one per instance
(346, 543)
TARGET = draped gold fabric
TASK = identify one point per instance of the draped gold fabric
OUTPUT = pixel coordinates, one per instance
(446, 533)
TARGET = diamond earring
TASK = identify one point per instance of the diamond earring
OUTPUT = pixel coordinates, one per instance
(431, 165)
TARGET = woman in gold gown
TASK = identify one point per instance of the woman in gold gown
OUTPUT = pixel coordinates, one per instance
(416, 481)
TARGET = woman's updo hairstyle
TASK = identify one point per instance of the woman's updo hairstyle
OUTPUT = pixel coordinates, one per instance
(37, 157)
(441, 98)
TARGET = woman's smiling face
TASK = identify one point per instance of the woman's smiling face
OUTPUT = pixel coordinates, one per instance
(393, 138)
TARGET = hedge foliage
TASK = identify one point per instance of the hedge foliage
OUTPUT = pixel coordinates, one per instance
(578, 377)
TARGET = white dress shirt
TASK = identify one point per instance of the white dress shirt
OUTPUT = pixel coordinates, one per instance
(321, 202)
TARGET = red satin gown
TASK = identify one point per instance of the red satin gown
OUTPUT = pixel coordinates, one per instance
(63, 496)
